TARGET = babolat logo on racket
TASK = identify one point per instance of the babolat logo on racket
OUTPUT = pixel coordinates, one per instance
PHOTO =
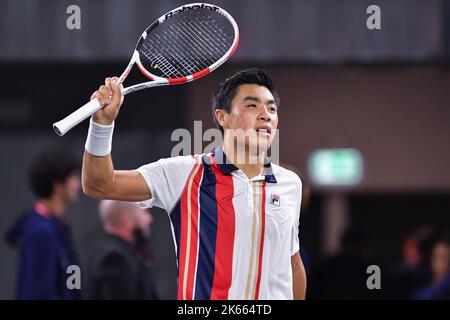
(184, 8)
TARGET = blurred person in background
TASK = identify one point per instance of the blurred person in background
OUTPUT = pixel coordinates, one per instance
(413, 272)
(142, 232)
(343, 275)
(42, 234)
(120, 265)
(439, 287)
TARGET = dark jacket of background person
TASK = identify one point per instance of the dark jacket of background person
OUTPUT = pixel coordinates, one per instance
(439, 291)
(42, 235)
(46, 251)
(405, 278)
(116, 271)
(439, 286)
(342, 276)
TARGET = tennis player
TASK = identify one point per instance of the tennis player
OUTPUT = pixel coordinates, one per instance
(234, 215)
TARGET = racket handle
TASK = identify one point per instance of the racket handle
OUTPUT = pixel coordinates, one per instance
(63, 126)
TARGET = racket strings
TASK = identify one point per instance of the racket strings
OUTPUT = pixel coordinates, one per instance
(192, 65)
(213, 28)
(182, 34)
(198, 47)
(212, 35)
(168, 35)
(186, 43)
(161, 63)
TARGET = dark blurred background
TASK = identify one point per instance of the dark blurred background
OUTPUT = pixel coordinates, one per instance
(384, 93)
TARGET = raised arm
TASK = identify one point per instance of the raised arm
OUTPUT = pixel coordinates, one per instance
(99, 179)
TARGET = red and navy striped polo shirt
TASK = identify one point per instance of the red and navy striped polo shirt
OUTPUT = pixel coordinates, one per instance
(234, 236)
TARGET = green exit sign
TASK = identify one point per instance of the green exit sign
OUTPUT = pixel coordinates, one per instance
(335, 167)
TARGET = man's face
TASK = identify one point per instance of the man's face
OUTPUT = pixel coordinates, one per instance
(440, 259)
(143, 220)
(254, 111)
(71, 187)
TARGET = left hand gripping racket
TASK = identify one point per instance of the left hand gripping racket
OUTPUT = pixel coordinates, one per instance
(183, 45)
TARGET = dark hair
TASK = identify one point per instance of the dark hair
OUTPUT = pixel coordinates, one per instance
(49, 167)
(227, 90)
(444, 237)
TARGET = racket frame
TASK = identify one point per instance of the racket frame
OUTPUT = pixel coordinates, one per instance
(160, 81)
(63, 126)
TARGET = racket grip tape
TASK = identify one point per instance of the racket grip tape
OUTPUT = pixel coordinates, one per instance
(63, 126)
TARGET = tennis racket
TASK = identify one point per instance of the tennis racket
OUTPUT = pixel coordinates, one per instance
(183, 45)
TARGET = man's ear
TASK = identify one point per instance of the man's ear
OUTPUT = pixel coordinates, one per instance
(220, 116)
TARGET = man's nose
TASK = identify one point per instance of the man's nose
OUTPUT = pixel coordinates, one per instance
(265, 115)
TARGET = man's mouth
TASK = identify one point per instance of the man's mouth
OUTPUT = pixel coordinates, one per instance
(267, 131)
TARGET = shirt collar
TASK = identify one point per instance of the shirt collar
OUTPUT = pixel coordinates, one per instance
(42, 209)
(227, 167)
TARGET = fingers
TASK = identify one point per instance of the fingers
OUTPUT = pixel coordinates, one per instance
(103, 95)
(116, 96)
(94, 95)
(114, 87)
(109, 94)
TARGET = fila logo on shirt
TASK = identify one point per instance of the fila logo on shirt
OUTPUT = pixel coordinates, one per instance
(275, 200)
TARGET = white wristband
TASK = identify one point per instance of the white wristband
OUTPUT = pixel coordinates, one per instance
(99, 139)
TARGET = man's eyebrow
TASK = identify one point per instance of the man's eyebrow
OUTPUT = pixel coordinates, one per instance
(252, 98)
(256, 99)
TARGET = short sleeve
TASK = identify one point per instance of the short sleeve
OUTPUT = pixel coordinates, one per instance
(166, 179)
(295, 242)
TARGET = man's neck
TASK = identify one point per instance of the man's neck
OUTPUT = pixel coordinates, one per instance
(120, 233)
(54, 204)
(251, 164)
